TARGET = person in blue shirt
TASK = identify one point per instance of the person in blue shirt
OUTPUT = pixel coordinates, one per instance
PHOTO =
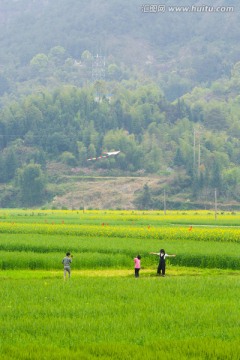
(66, 261)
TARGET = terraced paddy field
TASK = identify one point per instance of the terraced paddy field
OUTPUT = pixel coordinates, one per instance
(103, 312)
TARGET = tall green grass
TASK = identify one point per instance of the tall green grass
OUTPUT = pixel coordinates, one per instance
(121, 318)
(42, 251)
(38, 251)
(177, 317)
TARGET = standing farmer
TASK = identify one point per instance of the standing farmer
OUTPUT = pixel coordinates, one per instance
(162, 263)
(66, 265)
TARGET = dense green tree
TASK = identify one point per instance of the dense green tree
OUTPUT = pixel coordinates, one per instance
(11, 164)
(2, 170)
(57, 55)
(92, 151)
(215, 119)
(114, 72)
(39, 64)
(86, 56)
(32, 185)
(178, 158)
(57, 143)
(68, 158)
(4, 85)
(3, 133)
(144, 201)
(8, 164)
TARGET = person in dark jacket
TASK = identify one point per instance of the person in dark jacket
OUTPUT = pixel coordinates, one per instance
(162, 263)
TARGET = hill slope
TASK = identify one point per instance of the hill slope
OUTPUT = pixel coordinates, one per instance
(59, 105)
(179, 49)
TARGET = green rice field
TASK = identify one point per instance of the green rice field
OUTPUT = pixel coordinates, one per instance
(103, 312)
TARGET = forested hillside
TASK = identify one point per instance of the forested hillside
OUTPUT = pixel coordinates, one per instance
(77, 79)
(43, 43)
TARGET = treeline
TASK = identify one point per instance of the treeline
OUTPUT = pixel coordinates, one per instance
(194, 137)
(42, 43)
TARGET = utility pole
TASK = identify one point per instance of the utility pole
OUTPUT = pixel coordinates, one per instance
(197, 133)
(98, 68)
(199, 157)
(194, 149)
(215, 202)
(83, 198)
(98, 76)
(164, 201)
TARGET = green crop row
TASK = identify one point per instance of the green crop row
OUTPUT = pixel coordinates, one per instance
(124, 218)
(92, 260)
(120, 318)
(203, 234)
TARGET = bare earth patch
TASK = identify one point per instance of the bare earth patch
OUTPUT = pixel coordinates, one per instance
(104, 193)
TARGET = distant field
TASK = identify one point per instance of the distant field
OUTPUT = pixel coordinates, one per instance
(103, 312)
(121, 217)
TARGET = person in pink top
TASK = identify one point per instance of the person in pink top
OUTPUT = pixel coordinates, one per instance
(137, 267)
